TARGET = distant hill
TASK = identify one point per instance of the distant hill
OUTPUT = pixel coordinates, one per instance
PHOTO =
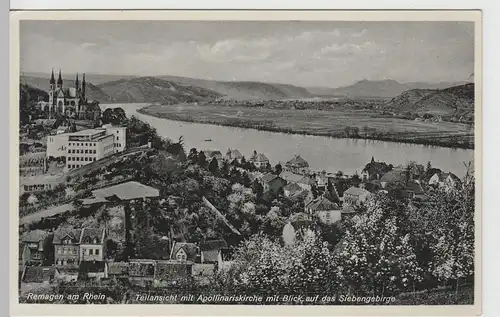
(380, 88)
(95, 79)
(92, 92)
(455, 101)
(245, 90)
(153, 89)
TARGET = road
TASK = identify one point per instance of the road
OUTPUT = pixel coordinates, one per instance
(37, 216)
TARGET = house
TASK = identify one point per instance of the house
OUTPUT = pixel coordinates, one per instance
(118, 270)
(210, 250)
(67, 246)
(355, 196)
(172, 271)
(273, 183)
(92, 244)
(93, 270)
(297, 165)
(321, 179)
(444, 180)
(141, 272)
(292, 189)
(210, 154)
(291, 177)
(184, 251)
(327, 211)
(259, 160)
(232, 155)
(35, 247)
(306, 183)
(394, 179)
(39, 274)
(374, 170)
(413, 190)
(224, 259)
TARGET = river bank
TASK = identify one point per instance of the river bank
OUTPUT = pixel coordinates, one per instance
(335, 124)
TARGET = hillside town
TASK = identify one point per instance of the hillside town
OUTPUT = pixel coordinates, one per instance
(107, 204)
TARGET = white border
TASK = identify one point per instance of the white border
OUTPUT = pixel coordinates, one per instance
(490, 107)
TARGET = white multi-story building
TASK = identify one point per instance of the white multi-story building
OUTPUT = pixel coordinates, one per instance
(87, 146)
(57, 145)
(120, 134)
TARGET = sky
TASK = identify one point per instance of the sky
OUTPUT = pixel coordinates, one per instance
(304, 53)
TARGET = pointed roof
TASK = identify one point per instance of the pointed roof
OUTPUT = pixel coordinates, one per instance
(261, 158)
(52, 79)
(77, 82)
(322, 203)
(59, 80)
(269, 177)
(61, 233)
(356, 191)
(189, 248)
(34, 235)
(298, 161)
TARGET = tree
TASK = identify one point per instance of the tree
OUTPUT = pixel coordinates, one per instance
(202, 159)
(213, 167)
(314, 191)
(246, 180)
(376, 255)
(339, 174)
(429, 166)
(193, 156)
(258, 190)
(278, 169)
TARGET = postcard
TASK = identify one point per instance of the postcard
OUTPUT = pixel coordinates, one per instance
(245, 163)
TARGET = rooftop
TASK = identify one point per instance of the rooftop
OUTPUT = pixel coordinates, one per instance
(127, 191)
(322, 203)
(356, 191)
(87, 132)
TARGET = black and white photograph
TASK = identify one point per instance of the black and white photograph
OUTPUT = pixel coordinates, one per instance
(241, 162)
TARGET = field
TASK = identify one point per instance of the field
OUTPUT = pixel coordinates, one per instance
(335, 123)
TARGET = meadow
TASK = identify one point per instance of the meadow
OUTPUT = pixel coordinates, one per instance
(351, 123)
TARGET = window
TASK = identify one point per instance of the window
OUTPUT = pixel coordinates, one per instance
(59, 251)
(94, 151)
(91, 252)
(74, 251)
(96, 251)
(94, 158)
(117, 138)
(86, 151)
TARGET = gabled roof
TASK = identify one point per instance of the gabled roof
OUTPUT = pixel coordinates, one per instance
(38, 274)
(260, 158)
(62, 233)
(322, 203)
(212, 244)
(35, 236)
(306, 180)
(298, 161)
(355, 191)
(89, 234)
(395, 176)
(127, 191)
(189, 248)
(415, 187)
(444, 176)
(212, 153)
(269, 177)
(235, 154)
(291, 177)
(292, 187)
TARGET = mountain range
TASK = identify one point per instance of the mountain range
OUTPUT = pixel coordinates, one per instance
(379, 88)
(172, 89)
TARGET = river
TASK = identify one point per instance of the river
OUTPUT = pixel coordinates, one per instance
(322, 153)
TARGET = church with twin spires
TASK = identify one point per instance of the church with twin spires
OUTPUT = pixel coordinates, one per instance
(68, 101)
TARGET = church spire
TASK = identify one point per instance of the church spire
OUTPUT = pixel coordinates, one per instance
(77, 83)
(83, 87)
(52, 79)
(59, 80)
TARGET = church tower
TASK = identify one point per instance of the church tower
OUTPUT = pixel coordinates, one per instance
(59, 80)
(83, 89)
(77, 83)
(52, 88)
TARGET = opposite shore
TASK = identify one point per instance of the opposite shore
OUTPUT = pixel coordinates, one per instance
(457, 142)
